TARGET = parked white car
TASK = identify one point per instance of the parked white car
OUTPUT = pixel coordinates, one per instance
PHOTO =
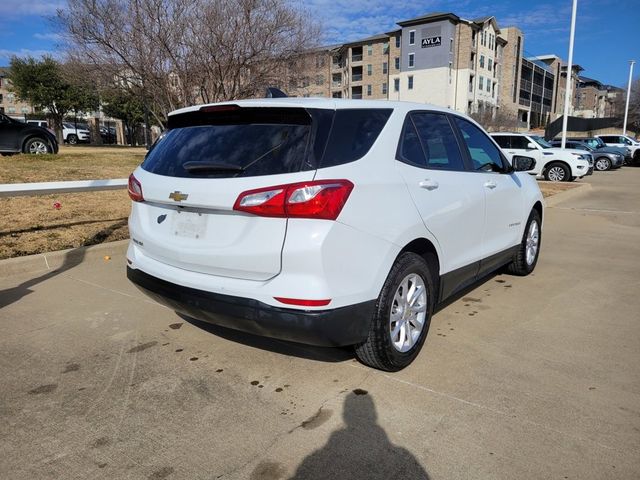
(623, 141)
(327, 222)
(73, 135)
(553, 164)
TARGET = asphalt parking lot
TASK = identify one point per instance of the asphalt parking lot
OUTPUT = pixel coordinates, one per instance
(532, 377)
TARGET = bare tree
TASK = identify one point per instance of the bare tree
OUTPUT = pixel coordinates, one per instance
(174, 53)
(495, 120)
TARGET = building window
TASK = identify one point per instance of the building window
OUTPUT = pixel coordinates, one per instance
(385, 48)
(384, 88)
(385, 67)
(410, 82)
(488, 85)
(489, 64)
(12, 109)
(397, 60)
(470, 84)
(398, 41)
(368, 90)
(481, 83)
(369, 69)
(24, 110)
(451, 45)
(473, 39)
(369, 49)
(450, 71)
(412, 37)
(412, 60)
(396, 84)
(481, 61)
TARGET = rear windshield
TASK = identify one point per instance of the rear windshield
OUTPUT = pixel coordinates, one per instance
(246, 142)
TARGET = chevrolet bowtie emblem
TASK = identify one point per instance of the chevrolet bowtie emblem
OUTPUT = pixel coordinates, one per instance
(178, 196)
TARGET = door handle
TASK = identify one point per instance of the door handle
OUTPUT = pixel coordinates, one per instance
(428, 184)
(490, 184)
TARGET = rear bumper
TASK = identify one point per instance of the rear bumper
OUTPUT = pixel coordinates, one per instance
(329, 328)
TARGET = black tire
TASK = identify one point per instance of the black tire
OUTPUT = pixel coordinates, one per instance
(377, 350)
(36, 145)
(557, 172)
(72, 139)
(602, 164)
(519, 265)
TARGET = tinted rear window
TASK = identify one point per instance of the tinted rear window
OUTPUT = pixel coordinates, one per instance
(246, 142)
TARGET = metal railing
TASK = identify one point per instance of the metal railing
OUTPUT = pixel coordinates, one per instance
(356, 58)
(46, 188)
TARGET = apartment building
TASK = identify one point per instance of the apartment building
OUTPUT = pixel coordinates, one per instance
(594, 99)
(10, 104)
(449, 61)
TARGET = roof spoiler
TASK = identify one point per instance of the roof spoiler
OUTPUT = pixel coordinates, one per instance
(273, 92)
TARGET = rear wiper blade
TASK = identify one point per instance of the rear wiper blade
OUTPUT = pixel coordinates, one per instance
(196, 167)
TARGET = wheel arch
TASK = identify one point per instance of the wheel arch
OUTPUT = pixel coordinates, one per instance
(428, 251)
(538, 208)
(35, 135)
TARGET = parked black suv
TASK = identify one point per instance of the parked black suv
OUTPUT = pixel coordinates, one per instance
(16, 137)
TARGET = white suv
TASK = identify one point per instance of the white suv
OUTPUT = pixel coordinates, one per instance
(554, 164)
(73, 135)
(327, 222)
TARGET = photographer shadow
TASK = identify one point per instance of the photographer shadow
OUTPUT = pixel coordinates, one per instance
(360, 450)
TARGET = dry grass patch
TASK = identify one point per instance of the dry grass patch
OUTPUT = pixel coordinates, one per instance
(551, 188)
(30, 225)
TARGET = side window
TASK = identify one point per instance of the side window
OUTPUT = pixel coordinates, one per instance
(438, 141)
(519, 142)
(503, 141)
(482, 151)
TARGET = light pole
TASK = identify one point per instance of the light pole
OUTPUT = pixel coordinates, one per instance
(626, 108)
(567, 94)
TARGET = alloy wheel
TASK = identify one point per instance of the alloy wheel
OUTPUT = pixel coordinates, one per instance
(556, 174)
(533, 239)
(408, 312)
(38, 147)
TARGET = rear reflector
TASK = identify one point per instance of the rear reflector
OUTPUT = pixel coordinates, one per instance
(323, 199)
(135, 189)
(303, 303)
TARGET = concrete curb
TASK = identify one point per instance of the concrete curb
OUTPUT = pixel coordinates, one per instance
(580, 190)
(50, 261)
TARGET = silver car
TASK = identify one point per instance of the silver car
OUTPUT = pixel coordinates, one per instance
(603, 159)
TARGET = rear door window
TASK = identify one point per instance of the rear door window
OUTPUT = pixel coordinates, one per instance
(438, 141)
(503, 141)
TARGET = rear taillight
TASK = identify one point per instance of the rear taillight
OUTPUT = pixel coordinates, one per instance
(135, 189)
(322, 199)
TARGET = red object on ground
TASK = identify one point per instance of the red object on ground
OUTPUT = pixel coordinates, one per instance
(57, 205)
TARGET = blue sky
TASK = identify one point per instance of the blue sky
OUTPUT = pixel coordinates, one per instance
(606, 33)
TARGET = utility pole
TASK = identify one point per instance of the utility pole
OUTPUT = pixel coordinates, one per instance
(626, 108)
(567, 94)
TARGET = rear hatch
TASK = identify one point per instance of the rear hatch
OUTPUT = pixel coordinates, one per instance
(194, 174)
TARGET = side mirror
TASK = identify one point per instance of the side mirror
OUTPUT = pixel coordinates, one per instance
(522, 164)
(531, 146)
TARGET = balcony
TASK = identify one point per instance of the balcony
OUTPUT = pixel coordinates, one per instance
(336, 84)
(356, 58)
(356, 96)
(356, 77)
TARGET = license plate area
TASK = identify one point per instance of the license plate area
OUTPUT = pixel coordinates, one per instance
(189, 224)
